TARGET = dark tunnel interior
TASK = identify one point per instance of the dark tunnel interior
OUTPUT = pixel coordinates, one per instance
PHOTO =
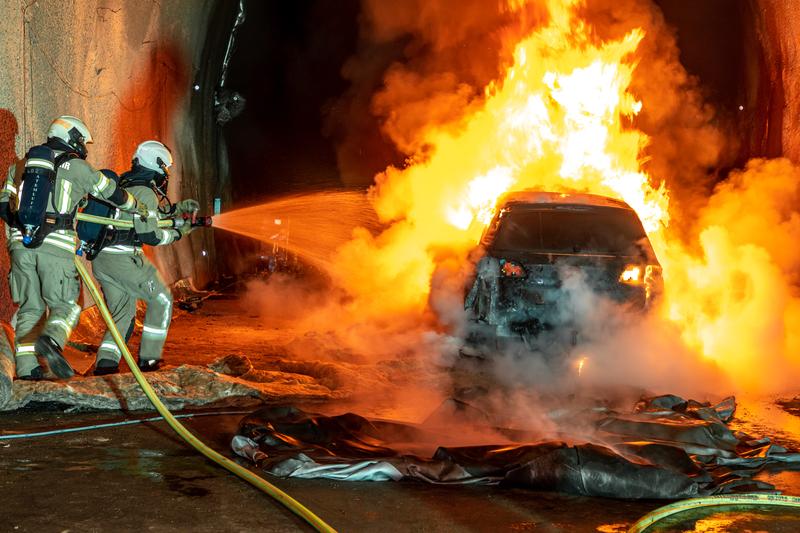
(287, 65)
(719, 45)
(289, 59)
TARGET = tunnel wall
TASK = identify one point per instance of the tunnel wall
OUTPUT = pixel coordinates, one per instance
(777, 24)
(127, 69)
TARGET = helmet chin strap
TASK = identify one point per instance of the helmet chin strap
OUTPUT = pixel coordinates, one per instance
(161, 189)
(58, 144)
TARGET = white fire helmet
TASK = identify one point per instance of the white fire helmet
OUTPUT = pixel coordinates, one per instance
(153, 155)
(72, 132)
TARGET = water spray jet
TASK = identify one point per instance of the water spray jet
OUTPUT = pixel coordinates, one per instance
(312, 226)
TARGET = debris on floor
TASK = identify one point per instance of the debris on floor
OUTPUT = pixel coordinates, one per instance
(665, 448)
(187, 297)
(228, 381)
(791, 406)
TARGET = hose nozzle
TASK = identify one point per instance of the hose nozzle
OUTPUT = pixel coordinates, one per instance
(194, 221)
(202, 222)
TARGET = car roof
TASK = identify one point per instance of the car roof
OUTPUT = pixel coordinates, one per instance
(558, 198)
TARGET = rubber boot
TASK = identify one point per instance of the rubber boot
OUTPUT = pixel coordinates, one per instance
(28, 367)
(149, 365)
(104, 367)
(48, 348)
(37, 374)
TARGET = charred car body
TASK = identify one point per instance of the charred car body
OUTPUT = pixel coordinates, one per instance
(534, 243)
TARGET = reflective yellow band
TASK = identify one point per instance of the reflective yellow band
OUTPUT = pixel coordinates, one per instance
(66, 189)
(64, 236)
(101, 185)
(119, 249)
(129, 203)
(155, 332)
(166, 238)
(41, 163)
(63, 325)
(62, 239)
(70, 247)
(74, 315)
(25, 349)
(111, 346)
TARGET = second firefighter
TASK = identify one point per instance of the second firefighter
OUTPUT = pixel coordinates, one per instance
(125, 274)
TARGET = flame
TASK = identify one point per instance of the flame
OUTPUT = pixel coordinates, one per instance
(559, 119)
(630, 274)
(480, 198)
(562, 117)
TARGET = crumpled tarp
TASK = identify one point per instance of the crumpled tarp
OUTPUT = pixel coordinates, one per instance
(666, 448)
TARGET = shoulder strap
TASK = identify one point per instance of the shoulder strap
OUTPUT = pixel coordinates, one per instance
(19, 171)
(66, 156)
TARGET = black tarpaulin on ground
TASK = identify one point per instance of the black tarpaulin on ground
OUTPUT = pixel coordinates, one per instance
(665, 448)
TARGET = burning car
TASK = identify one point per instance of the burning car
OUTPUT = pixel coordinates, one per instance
(535, 241)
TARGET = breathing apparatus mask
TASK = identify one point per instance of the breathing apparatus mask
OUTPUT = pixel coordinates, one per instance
(160, 185)
(76, 144)
(151, 163)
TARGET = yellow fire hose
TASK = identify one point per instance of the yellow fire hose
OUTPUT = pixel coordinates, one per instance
(258, 482)
(749, 500)
(85, 217)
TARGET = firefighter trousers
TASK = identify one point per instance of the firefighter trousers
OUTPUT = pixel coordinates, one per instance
(45, 286)
(126, 278)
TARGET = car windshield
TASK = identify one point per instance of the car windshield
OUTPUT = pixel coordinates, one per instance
(570, 229)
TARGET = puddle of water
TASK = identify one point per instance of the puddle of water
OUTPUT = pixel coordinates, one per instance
(730, 520)
(178, 471)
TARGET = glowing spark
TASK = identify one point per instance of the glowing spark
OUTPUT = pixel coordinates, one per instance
(581, 363)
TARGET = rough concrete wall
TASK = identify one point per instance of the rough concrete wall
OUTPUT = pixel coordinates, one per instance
(126, 68)
(777, 24)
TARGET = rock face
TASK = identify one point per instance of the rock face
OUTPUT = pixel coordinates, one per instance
(128, 69)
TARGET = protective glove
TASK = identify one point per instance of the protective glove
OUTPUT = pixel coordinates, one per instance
(184, 230)
(141, 210)
(5, 212)
(187, 207)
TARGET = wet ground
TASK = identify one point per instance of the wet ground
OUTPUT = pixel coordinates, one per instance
(223, 325)
(142, 477)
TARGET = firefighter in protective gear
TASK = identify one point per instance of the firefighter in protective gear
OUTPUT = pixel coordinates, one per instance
(43, 279)
(123, 271)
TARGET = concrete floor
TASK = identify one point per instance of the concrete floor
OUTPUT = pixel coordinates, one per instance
(143, 477)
